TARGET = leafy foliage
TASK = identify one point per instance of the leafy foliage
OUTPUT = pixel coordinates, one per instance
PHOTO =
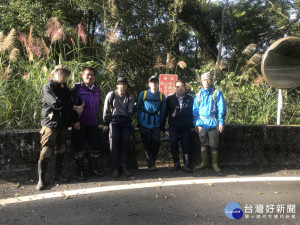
(137, 39)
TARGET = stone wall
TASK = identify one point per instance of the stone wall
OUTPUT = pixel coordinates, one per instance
(240, 145)
(260, 145)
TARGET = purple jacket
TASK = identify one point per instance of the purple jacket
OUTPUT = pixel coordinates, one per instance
(91, 100)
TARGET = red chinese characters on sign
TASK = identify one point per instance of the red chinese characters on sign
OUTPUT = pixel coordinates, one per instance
(167, 83)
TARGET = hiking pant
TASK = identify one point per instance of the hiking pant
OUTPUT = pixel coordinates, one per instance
(182, 134)
(151, 140)
(119, 140)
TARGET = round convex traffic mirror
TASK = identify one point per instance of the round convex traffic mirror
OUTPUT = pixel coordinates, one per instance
(281, 63)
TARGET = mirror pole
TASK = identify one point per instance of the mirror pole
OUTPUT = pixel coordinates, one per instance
(279, 106)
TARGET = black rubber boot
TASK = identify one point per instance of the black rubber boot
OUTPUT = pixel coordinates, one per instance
(57, 168)
(42, 167)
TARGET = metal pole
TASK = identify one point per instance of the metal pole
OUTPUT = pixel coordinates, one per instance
(279, 106)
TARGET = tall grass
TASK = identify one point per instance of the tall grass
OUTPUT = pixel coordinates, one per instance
(21, 80)
(249, 99)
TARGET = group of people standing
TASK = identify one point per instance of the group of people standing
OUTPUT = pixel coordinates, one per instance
(79, 108)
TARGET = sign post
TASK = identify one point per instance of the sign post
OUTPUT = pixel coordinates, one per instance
(167, 83)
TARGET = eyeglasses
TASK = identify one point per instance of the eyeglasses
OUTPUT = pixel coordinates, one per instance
(179, 86)
(90, 74)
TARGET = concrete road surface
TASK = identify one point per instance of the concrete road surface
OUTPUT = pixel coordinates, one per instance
(264, 196)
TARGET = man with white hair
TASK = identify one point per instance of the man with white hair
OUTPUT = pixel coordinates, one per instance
(209, 114)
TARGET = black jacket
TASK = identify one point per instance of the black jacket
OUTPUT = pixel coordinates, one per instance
(180, 118)
(56, 105)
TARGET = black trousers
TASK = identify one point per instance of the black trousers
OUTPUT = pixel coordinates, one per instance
(151, 140)
(91, 136)
(182, 134)
(119, 140)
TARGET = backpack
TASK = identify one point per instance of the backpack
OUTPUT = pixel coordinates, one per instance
(154, 113)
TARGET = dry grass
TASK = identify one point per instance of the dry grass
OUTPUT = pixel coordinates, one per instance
(21, 37)
(111, 66)
(8, 42)
(46, 50)
(54, 30)
(13, 56)
(182, 64)
(3, 75)
(80, 29)
(249, 49)
(158, 63)
(111, 35)
(171, 63)
(33, 46)
(255, 59)
(1, 40)
(59, 35)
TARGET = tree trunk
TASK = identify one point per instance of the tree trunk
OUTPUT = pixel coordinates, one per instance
(221, 38)
(197, 18)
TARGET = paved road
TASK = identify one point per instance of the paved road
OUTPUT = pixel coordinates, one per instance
(161, 197)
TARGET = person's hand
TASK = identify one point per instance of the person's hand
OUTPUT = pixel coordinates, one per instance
(78, 109)
(221, 128)
(76, 126)
(105, 129)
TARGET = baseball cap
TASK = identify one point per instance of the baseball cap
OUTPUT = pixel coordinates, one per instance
(153, 79)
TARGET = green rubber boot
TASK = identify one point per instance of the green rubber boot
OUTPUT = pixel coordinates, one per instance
(214, 159)
(204, 163)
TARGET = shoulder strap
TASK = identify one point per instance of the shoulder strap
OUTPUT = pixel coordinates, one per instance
(145, 95)
(214, 96)
(112, 100)
(199, 98)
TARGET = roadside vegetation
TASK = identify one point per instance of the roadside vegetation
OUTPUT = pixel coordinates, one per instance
(137, 39)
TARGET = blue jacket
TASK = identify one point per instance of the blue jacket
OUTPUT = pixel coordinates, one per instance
(151, 112)
(209, 114)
